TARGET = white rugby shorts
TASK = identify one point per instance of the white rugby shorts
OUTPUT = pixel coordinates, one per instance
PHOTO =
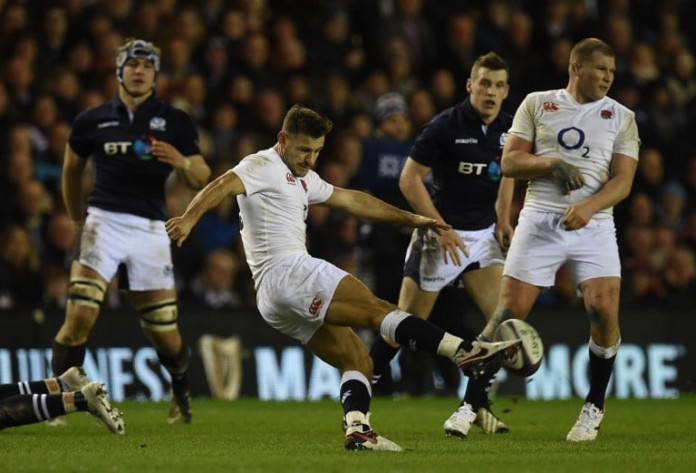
(111, 238)
(293, 295)
(541, 246)
(424, 262)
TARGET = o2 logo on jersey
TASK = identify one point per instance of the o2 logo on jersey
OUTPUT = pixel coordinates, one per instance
(143, 147)
(573, 138)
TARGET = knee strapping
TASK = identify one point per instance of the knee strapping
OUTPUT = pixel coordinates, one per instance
(159, 317)
(87, 291)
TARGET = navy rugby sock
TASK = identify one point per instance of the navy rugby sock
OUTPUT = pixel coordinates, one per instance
(65, 356)
(600, 372)
(355, 392)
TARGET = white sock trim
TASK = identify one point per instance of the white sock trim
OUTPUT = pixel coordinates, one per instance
(357, 376)
(391, 321)
(604, 352)
(356, 416)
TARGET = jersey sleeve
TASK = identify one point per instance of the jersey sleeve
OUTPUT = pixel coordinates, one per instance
(187, 135)
(628, 141)
(80, 139)
(523, 122)
(428, 147)
(318, 190)
(258, 174)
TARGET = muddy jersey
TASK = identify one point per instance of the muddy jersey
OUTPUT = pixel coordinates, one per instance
(128, 179)
(274, 209)
(585, 135)
(464, 155)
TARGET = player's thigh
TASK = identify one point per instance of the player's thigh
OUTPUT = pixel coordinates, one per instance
(294, 295)
(354, 304)
(538, 249)
(414, 300)
(483, 285)
(341, 348)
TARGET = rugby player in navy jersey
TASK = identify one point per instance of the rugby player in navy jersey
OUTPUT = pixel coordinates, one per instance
(135, 141)
(461, 146)
(308, 298)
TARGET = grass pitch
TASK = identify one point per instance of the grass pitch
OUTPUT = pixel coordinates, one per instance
(254, 436)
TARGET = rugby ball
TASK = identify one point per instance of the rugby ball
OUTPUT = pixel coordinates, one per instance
(526, 360)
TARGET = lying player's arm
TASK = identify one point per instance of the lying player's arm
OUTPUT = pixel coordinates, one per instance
(616, 189)
(71, 181)
(365, 206)
(519, 162)
(178, 228)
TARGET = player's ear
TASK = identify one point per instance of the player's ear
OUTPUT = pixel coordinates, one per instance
(469, 83)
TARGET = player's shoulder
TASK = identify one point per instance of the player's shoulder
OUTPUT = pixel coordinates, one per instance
(543, 96)
(95, 112)
(264, 158)
(167, 109)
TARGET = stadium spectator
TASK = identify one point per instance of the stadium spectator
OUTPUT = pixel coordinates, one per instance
(20, 271)
(384, 154)
(215, 285)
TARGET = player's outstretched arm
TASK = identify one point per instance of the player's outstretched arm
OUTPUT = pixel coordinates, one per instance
(178, 228)
(363, 205)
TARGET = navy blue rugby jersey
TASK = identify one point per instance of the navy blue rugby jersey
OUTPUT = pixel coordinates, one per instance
(128, 178)
(465, 164)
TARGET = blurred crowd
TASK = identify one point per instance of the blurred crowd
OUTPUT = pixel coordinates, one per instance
(236, 66)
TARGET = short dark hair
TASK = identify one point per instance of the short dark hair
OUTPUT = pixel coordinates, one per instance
(304, 120)
(583, 50)
(490, 61)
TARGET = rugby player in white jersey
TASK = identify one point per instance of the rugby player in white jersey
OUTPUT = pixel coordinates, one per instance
(308, 298)
(579, 150)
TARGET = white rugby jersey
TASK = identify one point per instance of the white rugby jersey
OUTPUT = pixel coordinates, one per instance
(585, 135)
(274, 209)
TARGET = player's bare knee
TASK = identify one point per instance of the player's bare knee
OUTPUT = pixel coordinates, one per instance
(160, 316)
(379, 311)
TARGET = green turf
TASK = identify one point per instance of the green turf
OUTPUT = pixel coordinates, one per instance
(248, 436)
